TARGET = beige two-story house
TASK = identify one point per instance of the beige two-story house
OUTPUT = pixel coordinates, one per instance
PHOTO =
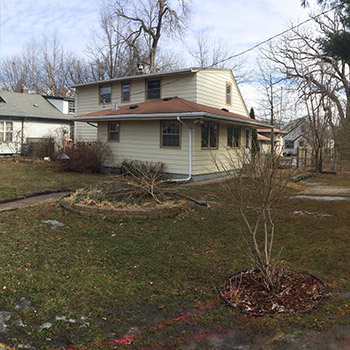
(183, 118)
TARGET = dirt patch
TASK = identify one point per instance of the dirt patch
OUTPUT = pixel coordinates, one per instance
(297, 292)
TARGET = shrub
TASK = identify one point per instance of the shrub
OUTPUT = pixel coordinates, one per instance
(85, 157)
(145, 178)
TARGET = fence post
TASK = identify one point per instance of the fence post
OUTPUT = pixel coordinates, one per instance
(298, 158)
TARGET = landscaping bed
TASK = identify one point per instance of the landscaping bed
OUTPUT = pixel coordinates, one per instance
(297, 292)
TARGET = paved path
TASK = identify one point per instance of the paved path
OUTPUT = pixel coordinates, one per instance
(26, 202)
(339, 191)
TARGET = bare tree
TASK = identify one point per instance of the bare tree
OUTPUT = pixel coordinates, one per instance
(300, 58)
(148, 20)
(271, 86)
(317, 121)
(111, 55)
(252, 190)
(13, 74)
(43, 67)
(213, 53)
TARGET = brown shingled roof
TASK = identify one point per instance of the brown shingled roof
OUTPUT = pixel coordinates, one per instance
(167, 105)
(263, 138)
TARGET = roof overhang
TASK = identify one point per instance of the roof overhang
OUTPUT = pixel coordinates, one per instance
(163, 116)
(37, 118)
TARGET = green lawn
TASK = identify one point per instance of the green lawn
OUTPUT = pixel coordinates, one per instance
(22, 179)
(127, 275)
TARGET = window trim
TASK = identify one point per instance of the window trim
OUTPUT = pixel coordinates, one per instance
(161, 135)
(69, 108)
(99, 94)
(248, 143)
(4, 132)
(227, 83)
(121, 91)
(239, 136)
(160, 89)
(108, 131)
(217, 137)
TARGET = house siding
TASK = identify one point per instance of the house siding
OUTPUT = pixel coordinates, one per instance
(88, 98)
(204, 159)
(140, 140)
(211, 91)
(32, 129)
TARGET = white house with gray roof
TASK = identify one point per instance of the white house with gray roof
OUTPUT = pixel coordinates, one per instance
(27, 118)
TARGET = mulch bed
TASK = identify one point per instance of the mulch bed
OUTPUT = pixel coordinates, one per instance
(297, 292)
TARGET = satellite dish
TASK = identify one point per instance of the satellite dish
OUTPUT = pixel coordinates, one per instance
(63, 156)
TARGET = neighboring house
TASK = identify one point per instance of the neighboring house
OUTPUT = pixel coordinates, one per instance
(183, 118)
(295, 137)
(264, 140)
(27, 118)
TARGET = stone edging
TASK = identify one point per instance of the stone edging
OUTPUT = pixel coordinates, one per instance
(121, 213)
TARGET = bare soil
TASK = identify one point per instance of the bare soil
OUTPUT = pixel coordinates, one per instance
(297, 292)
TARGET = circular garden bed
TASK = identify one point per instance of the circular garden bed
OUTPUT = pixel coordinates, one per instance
(297, 292)
(159, 211)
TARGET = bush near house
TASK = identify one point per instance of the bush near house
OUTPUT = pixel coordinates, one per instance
(85, 157)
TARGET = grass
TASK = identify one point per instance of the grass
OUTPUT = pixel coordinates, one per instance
(127, 275)
(23, 179)
(330, 180)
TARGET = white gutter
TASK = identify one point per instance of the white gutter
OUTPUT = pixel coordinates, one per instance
(189, 153)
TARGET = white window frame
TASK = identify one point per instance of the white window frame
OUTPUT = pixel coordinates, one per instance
(114, 132)
(4, 132)
(162, 134)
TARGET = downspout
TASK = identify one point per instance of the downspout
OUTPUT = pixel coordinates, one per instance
(75, 114)
(189, 153)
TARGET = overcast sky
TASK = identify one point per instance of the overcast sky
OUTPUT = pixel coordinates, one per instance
(240, 23)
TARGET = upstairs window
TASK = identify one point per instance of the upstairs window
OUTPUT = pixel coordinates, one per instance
(247, 138)
(105, 94)
(71, 107)
(233, 136)
(210, 135)
(228, 94)
(153, 89)
(113, 131)
(125, 92)
(170, 134)
(6, 131)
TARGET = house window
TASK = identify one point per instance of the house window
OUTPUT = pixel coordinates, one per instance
(247, 138)
(210, 135)
(289, 144)
(113, 131)
(153, 89)
(233, 136)
(125, 92)
(6, 131)
(301, 143)
(105, 94)
(71, 107)
(170, 134)
(229, 94)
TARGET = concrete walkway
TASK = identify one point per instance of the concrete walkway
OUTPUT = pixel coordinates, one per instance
(339, 191)
(27, 202)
